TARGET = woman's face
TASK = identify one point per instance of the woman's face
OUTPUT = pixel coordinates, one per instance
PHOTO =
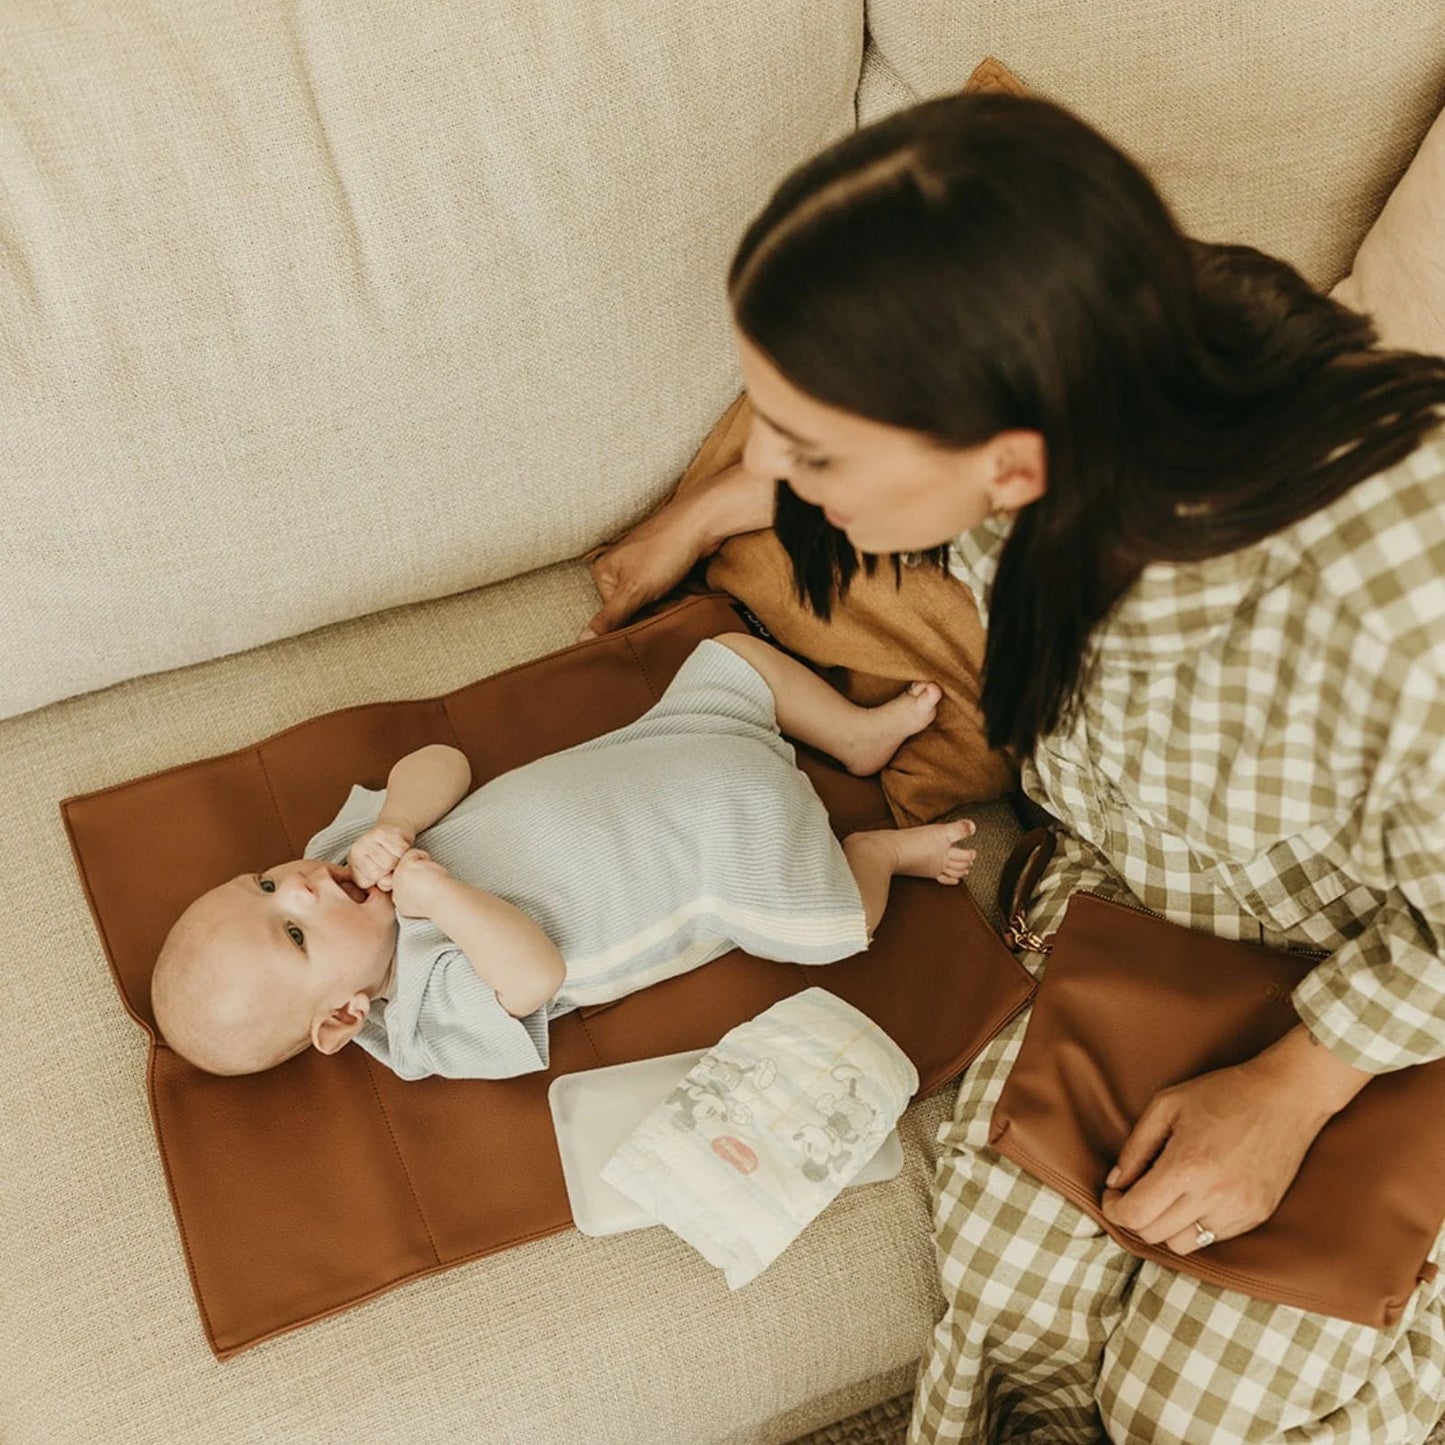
(887, 488)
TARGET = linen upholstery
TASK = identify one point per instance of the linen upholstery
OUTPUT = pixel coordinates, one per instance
(1398, 278)
(329, 308)
(1283, 125)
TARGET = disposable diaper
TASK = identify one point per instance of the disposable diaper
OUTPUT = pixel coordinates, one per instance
(765, 1129)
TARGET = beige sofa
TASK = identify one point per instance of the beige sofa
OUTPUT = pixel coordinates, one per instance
(330, 335)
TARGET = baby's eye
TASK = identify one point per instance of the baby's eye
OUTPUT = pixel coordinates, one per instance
(295, 935)
(268, 885)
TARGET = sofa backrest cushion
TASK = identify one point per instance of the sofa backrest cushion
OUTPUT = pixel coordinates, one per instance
(1398, 277)
(1284, 126)
(309, 311)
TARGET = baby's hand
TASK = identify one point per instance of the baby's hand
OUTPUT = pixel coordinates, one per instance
(414, 883)
(375, 854)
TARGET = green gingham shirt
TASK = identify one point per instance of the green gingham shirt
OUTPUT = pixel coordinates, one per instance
(1261, 752)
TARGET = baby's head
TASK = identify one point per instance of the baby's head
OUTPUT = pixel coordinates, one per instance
(260, 967)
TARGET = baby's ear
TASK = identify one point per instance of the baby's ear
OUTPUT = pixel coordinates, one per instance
(332, 1031)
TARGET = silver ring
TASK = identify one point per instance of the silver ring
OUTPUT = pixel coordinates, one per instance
(1203, 1237)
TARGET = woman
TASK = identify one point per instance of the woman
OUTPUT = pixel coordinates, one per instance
(1206, 523)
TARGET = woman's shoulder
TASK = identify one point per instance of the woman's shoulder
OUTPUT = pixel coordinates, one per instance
(1379, 548)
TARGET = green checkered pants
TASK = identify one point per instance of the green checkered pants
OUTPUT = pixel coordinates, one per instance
(1054, 1335)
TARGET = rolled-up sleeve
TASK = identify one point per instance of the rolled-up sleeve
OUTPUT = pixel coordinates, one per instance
(1378, 1002)
(462, 1032)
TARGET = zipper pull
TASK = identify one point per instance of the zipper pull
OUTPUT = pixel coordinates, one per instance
(1018, 934)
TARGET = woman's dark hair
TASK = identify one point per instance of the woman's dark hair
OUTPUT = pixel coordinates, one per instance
(980, 263)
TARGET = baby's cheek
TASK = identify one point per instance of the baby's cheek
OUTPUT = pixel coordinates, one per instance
(384, 926)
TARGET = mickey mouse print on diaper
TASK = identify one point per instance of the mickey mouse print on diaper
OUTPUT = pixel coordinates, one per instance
(765, 1129)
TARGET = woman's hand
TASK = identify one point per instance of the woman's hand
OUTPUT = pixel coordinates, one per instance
(652, 558)
(1220, 1150)
(642, 565)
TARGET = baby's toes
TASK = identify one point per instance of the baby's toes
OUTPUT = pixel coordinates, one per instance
(927, 696)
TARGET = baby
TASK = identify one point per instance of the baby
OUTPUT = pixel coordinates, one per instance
(576, 879)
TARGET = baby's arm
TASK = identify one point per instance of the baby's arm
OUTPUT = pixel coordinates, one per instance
(523, 967)
(422, 787)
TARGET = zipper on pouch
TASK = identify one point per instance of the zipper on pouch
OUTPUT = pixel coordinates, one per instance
(1019, 935)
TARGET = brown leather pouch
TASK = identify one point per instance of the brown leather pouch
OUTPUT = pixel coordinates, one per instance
(1131, 1003)
(317, 1184)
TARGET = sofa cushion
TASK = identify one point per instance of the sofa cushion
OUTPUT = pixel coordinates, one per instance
(1283, 126)
(1399, 275)
(310, 311)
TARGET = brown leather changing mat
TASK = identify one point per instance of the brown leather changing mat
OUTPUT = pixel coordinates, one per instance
(304, 1190)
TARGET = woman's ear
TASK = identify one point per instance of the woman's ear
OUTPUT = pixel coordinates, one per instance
(1020, 469)
(330, 1031)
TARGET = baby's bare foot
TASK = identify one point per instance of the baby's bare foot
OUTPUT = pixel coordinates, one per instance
(881, 730)
(932, 852)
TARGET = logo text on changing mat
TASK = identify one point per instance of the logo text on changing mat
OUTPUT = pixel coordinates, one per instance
(735, 1152)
